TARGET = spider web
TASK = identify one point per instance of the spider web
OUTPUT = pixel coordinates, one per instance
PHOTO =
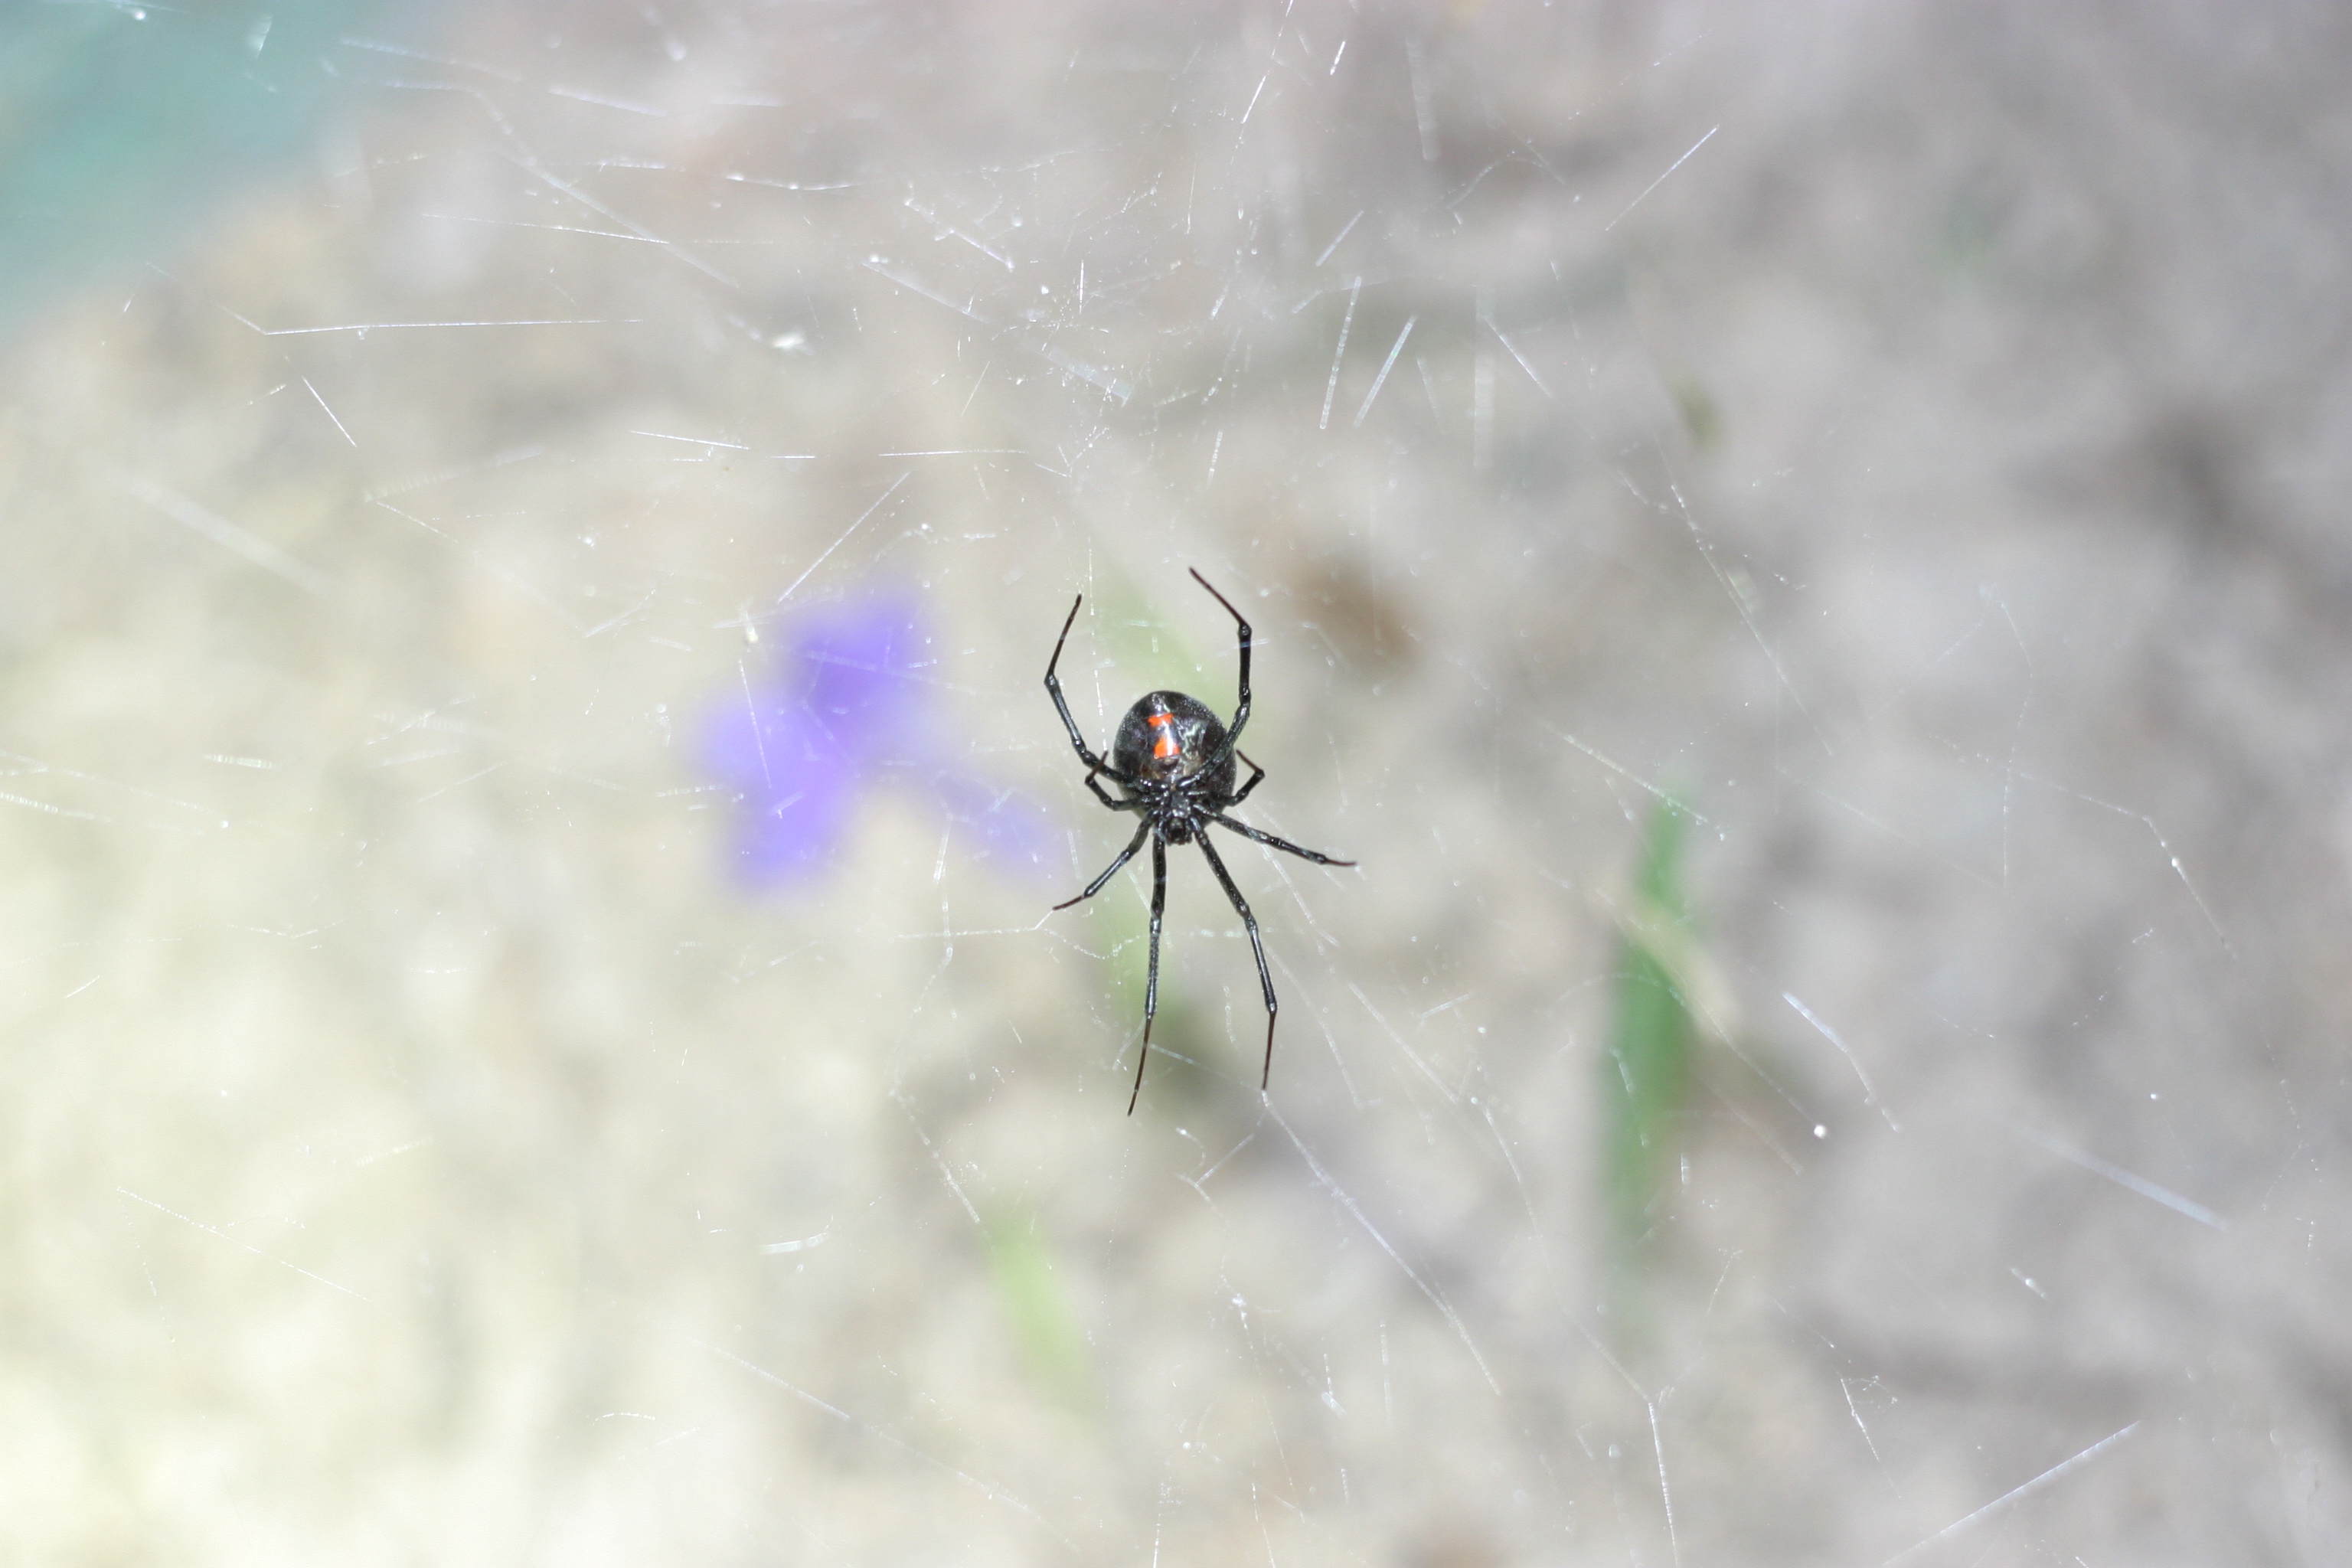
(537, 1030)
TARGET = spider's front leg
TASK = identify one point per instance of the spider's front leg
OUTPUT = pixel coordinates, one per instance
(1271, 842)
(1151, 975)
(1111, 870)
(1258, 950)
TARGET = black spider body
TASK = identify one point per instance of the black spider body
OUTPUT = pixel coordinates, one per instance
(1169, 739)
(1174, 765)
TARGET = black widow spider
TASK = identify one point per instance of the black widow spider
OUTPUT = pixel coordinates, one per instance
(1175, 765)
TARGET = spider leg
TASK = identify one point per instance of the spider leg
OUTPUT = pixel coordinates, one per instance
(1095, 764)
(1257, 950)
(1242, 710)
(1110, 871)
(1152, 976)
(1256, 773)
(1114, 804)
(1271, 842)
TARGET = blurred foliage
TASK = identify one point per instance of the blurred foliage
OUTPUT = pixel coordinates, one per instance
(122, 125)
(1653, 1037)
(1702, 415)
(1038, 1309)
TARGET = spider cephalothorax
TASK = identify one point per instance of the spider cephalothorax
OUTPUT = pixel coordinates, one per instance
(1174, 765)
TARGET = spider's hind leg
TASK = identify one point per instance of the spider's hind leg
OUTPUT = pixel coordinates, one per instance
(1242, 706)
(1095, 764)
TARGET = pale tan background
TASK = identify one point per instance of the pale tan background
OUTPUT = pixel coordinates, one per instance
(1937, 478)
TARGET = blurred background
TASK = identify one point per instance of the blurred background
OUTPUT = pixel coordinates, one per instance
(1802, 551)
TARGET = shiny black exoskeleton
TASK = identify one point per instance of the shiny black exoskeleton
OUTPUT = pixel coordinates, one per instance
(1166, 736)
(1174, 765)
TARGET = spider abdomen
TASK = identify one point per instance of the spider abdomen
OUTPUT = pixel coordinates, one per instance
(1165, 737)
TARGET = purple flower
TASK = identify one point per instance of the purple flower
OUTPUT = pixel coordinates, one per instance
(848, 704)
